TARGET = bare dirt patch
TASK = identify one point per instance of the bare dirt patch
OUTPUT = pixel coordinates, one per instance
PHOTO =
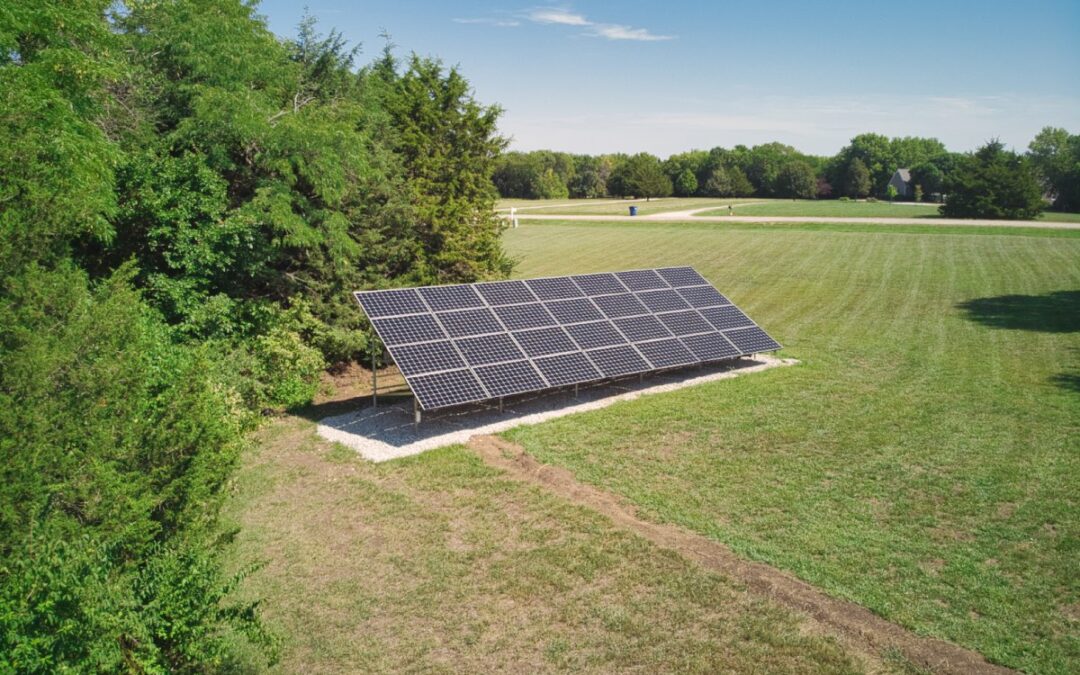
(856, 626)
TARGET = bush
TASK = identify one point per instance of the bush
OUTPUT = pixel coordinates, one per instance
(844, 199)
(993, 183)
(115, 443)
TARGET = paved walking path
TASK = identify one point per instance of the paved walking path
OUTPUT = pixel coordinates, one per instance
(689, 216)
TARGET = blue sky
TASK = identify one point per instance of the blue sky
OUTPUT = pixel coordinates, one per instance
(596, 77)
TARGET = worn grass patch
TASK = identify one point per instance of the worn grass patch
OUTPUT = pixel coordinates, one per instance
(439, 563)
(922, 461)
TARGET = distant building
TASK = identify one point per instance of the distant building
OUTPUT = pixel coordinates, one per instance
(901, 180)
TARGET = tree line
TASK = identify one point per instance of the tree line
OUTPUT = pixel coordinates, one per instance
(859, 170)
(186, 203)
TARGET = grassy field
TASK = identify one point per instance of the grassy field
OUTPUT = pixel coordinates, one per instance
(750, 207)
(832, 209)
(441, 564)
(923, 460)
(615, 207)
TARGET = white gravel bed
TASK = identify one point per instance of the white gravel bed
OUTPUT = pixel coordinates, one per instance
(387, 432)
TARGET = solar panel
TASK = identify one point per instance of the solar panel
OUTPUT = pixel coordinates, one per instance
(442, 390)
(598, 284)
(518, 317)
(639, 328)
(616, 361)
(565, 369)
(667, 353)
(426, 357)
(710, 347)
(489, 349)
(681, 276)
(505, 292)
(405, 329)
(391, 303)
(595, 334)
(505, 379)
(702, 296)
(685, 323)
(623, 304)
(751, 340)
(574, 310)
(554, 288)
(439, 298)
(469, 322)
(662, 301)
(470, 342)
(723, 318)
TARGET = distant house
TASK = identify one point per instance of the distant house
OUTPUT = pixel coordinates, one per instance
(901, 180)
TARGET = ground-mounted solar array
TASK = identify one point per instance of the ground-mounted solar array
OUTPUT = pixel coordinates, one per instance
(472, 342)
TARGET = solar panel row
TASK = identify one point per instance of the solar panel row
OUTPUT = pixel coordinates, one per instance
(470, 342)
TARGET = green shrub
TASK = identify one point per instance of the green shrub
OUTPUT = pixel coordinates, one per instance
(115, 442)
(845, 199)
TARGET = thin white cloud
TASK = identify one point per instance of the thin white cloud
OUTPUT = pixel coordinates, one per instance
(482, 21)
(610, 31)
(613, 31)
(559, 16)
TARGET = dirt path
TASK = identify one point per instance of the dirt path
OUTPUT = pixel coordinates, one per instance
(853, 624)
(688, 216)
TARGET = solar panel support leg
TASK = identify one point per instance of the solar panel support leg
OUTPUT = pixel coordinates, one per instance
(374, 378)
(416, 413)
(500, 404)
(575, 389)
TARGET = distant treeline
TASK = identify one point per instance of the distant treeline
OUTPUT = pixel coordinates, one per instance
(861, 169)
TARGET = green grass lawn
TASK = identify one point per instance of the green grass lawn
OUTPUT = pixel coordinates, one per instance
(837, 209)
(440, 564)
(605, 207)
(923, 460)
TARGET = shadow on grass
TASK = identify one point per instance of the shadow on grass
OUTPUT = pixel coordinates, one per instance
(1056, 312)
(1069, 381)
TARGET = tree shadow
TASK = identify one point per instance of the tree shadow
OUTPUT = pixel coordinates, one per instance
(1068, 381)
(1056, 312)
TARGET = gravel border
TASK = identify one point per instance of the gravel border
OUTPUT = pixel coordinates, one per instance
(387, 432)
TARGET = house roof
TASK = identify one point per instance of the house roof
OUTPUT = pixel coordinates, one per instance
(905, 175)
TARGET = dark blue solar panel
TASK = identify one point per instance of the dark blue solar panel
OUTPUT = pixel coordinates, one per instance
(544, 341)
(406, 329)
(710, 347)
(641, 280)
(469, 322)
(624, 304)
(566, 369)
(681, 276)
(751, 340)
(446, 389)
(598, 284)
(505, 379)
(554, 288)
(505, 292)
(519, 317)
(489, 349)
(573, 311)
(662, 301)
(616, 361)
(703, 296)
(390, 303)
(441, 298)
(595, 334)
(685, 323)
(723, 318)
(666, 353)
(427, 357)
(464, 343)
(639, 328)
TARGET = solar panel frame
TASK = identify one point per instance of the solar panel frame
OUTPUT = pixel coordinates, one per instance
(458, 344)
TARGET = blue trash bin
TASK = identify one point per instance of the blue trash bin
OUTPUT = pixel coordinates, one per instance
(633, 210)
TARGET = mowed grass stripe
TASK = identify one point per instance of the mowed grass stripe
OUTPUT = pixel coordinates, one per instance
(923, 459)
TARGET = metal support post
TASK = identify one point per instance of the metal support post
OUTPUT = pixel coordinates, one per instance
(575, 389)
(416, 413)
(374, 378)
(500, 404)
